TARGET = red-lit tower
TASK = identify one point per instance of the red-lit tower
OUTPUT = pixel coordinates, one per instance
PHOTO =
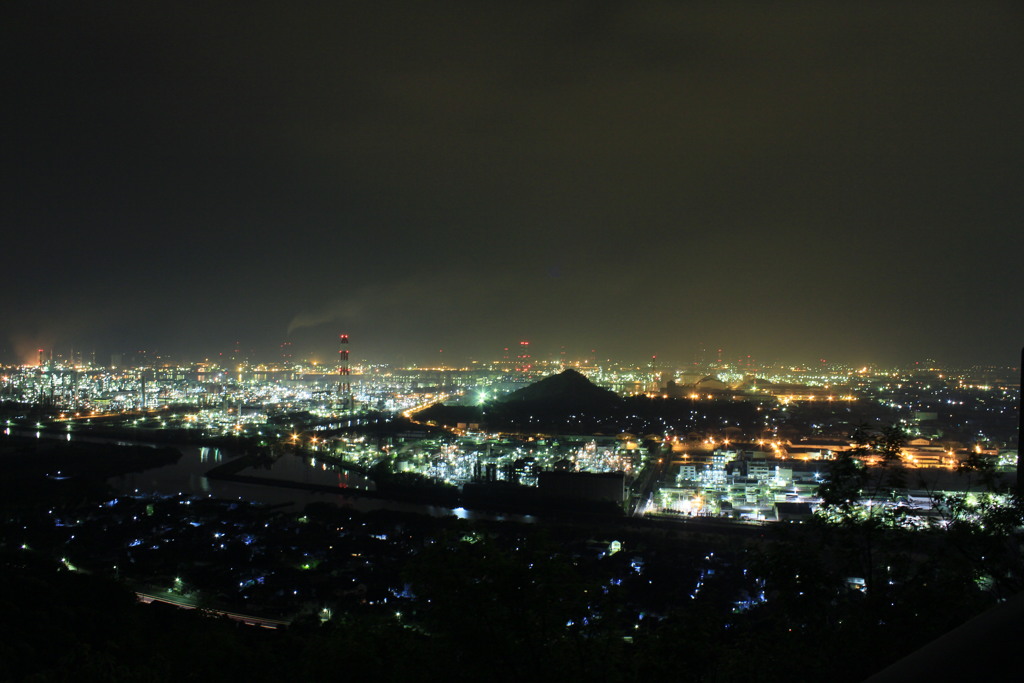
(344, 384)
(523, 359)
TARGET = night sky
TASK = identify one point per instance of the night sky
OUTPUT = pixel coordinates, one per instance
(793, 181)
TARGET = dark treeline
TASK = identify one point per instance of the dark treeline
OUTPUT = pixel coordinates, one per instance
(635, 414)
(494, 609)
(448, 599)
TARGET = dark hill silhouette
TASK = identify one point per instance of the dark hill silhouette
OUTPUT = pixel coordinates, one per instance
(569, 403)
(568, 387)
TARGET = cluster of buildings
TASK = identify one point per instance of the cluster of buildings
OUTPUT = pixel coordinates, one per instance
(805, 418)
(773, 480)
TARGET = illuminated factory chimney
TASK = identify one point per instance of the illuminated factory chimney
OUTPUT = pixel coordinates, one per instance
(345, 383)
(40, 358)
(523, 358)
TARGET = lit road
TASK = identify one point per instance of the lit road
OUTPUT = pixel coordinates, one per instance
(186, 603)
(643, 489)
(409, 412)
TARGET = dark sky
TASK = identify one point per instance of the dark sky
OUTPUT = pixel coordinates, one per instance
(788, 180)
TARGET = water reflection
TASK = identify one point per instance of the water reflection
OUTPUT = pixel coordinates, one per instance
(311, 471)
(188, 476)
(206, 451)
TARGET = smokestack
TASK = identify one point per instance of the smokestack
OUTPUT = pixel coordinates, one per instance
(1020, 428)
(345, 383)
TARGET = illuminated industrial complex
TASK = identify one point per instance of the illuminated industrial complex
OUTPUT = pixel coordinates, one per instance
(748, 439)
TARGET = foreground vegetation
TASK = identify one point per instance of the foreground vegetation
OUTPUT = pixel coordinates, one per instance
(841, 596)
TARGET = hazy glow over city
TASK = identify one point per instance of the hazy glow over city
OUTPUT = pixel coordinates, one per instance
(511, 341)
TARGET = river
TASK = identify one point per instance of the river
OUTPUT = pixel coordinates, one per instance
(188, 476)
